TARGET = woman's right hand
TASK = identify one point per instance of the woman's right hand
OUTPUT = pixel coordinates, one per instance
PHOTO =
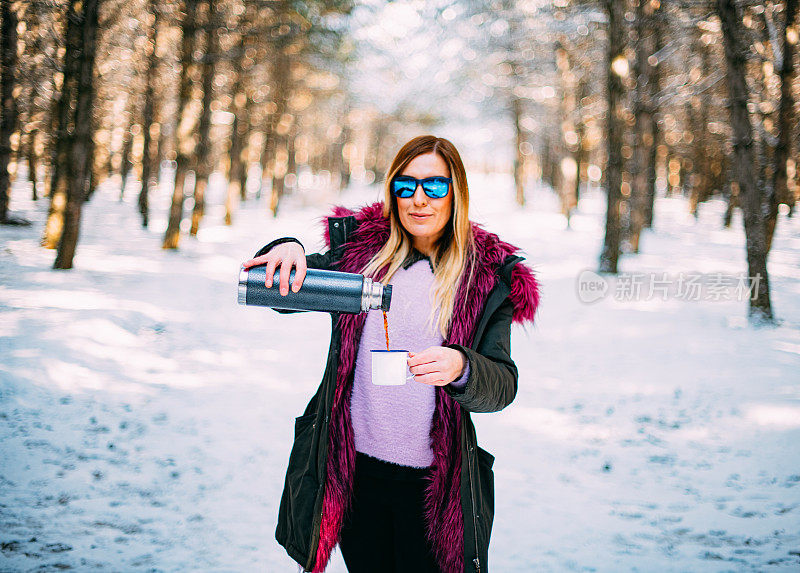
(285, 256)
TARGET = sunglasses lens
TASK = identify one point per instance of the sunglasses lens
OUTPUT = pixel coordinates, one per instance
(436, 188)
(404, 188)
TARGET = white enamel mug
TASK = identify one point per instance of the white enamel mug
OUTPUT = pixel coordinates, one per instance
(390, 367)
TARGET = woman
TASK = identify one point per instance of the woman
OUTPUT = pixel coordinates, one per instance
(393, 474)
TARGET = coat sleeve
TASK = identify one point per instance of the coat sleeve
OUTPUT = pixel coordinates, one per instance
(493, 377)
(324, 261)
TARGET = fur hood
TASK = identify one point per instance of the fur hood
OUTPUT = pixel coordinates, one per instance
(443, 494)
(373, 232)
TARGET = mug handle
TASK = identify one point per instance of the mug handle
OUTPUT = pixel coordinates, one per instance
(410, 375)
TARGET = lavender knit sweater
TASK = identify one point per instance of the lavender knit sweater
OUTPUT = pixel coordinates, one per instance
(393, 423)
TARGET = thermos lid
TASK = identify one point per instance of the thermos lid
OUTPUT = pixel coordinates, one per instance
(386, 299)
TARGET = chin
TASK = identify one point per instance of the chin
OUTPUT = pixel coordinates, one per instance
(420, 230)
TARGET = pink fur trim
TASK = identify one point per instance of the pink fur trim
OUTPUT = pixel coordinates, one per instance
(445, 528)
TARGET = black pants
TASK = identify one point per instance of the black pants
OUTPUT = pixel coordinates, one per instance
(385, 529)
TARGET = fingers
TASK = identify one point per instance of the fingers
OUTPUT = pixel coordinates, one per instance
(300, 273)
(255, 261)
(271, 264)
(284, 256)
(435, 366)
(286, 269)
(432, 379)
(426, 368)
(428, 355)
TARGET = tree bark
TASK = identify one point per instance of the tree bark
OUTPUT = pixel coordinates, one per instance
(616, 44)
(372, 159)
(279, 125)
(237, 173)
(79, 167)
(780, 190)
(204, 151)
(33, 164)
(8, 119)
(125, 160)
(745, 168)
(696, 176)
(519, 184)
(340, 165)
(652, 96)
(580, 132)
(148, 116)
(642, 110)
(62, 118)
(184, 153)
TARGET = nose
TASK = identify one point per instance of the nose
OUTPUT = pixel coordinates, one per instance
(420, 199)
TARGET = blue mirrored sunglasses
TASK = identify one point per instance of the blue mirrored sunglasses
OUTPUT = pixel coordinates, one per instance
(404, 186)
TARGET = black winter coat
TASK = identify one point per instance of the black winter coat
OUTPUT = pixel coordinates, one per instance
(492, 385)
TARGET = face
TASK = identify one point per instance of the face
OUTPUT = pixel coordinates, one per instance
(423, 217)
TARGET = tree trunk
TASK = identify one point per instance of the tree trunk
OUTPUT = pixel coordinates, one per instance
(695, 177)
(8, 119)
(616, 44)
(33, 164)
(580, 132)
(291, 153)
(94, 174)
(547, 175)
(707, 152)
(184, 153)
(780, 190)
(745, 164)
(125, 162)
(519, 159)
(278, 165)
(248, 133)
(148, 116)
(279, 81)
(343, 164)
(204, 167)
(79, 167)
(235, 186)
(378, 132)
(642, 110)
(279, 170)
(237, 173)
(652, 96)
(580, 161)
(167, 127)
(62, 117)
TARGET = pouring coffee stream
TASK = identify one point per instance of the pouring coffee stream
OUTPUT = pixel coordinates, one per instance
(386, 329)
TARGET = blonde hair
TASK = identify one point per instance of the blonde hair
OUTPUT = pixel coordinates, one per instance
(454, 251)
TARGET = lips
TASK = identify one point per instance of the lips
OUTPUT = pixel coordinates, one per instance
(419, 216)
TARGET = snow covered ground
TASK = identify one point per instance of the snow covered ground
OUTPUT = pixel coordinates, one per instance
(146, 418)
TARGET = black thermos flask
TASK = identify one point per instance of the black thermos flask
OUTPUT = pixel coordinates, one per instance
(328, 291)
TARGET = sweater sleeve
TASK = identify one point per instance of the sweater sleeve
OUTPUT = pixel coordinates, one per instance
(460, 382)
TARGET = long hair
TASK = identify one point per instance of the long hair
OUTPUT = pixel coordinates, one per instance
(453, 258)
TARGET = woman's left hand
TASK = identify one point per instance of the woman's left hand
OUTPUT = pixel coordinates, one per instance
(437, 365)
